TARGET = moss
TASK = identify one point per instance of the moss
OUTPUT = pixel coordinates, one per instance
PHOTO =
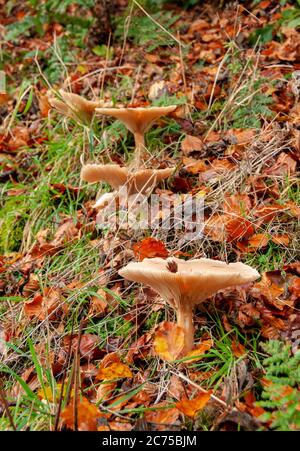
(12, 222)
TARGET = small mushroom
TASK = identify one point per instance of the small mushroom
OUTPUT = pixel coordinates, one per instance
(138, 121)
(73, 106)
(183, 284)
(142, 181)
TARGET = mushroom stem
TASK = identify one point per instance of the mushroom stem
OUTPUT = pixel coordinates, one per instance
(139, 140)
(185, 321)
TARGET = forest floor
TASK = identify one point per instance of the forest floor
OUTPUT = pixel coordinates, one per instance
(76, 339)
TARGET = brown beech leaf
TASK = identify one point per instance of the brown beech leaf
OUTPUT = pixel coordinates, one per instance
(149, 248)
(239, 228)
(98, 303)
(238, 349)
(43, 306)
(32, 285)
(281, 240)
(168, 341)
(215, 227)
(194, 166)
(65, 232)
(3, 98)
(87, 415)
(294, 288)
(116, 370)
(162, 417)
(199, 351)
(258, 241)
(190, 407)
(88, 348)
(190, 144)
(105, 390)
(237, 203)
(268, 212)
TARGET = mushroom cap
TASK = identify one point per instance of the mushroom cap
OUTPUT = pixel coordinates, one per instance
(117, 176)
(137, 120)
(74, 106)
(194, 281)
(113, 174)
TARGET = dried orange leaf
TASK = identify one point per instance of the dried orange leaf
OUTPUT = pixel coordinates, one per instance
(169, 341)
(191, 143)
(149, 248)
(238, 349)
(87, 415)
(116, 370)
(190, 407)
(198, 353)
(164, 415)
(259, 240)
(238, 228)
(281, 240)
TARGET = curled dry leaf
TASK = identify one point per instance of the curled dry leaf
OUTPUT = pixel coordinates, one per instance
(168, 341)
(88, 348)
(190, 407)
(239, 228)
(116, 370)
(190, 144)
(281, 240)
(98, 303)
(44, 306)
(87, 415)
(32, 285)
(238, 349)
(105, 390)
(199, 351)
(162, 417)
(258, 241)
(149, 248)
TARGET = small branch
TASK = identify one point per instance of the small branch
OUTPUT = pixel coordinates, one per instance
(215, 398)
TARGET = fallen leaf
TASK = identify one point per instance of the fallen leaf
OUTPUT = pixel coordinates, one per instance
(116, 370)
(281, 240)
(238, 349)
(168, 341)
(149, 248)
(87, 414)
(198, 353)
(190, 144)
(162, 417)
(258, 241)
(98, 303)
(190, 407)
(239, 228)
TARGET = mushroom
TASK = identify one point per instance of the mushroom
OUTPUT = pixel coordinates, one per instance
(73, 106)
(183, 284)
(138, 121)
(142, 181)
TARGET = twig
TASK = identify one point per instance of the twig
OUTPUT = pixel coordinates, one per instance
(215, 398)
(6, 407)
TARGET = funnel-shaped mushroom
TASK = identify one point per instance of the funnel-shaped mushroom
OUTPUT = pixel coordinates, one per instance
(74, 106)
(142, 181)
(138, 121)
(183, 284)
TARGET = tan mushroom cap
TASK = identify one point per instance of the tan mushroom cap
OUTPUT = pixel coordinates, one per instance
(137, 120)
(136, 182)
(74, 106)
(194, 281)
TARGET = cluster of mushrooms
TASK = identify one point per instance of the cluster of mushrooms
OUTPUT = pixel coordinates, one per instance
(182, 284)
